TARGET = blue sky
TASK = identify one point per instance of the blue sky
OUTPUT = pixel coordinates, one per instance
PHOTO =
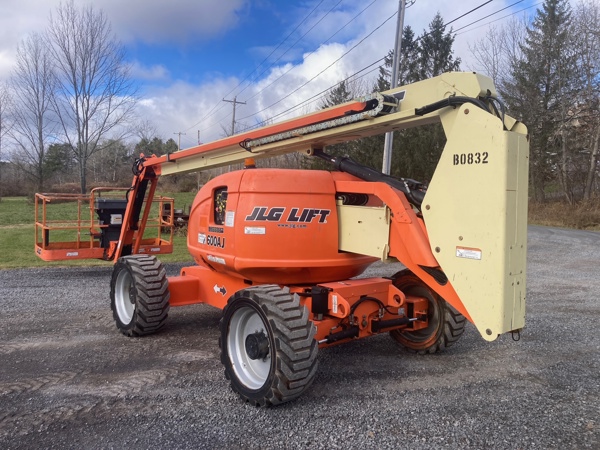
(187, 55)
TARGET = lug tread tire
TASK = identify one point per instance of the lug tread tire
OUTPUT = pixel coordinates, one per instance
(447, 334)
(151, 294)
(295, 346)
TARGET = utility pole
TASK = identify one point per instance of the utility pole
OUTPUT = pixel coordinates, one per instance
(179, 139)
(235, 102)
(389, 136)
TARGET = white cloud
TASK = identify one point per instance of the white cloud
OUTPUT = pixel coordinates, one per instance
(175, 21)
(183, 104)
(178, 106)
(18, 18)
(156, 72)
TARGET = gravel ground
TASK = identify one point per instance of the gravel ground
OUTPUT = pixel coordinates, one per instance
(69, 379)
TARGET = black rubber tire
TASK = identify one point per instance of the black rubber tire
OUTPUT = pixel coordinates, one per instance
(290, 363)
(139, 295)
(446, 325)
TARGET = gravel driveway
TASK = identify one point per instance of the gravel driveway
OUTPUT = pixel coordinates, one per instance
(69, 379)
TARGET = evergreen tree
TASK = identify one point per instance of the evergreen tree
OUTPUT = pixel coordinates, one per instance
(435, 50)
(338, 95)
(58, 162)
(541, 91)
(408, 67)
(385, 73)
(155, 146)
(417, 151)
(170, 146)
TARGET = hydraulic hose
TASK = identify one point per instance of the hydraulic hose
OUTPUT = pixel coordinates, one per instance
(450, 101)
(414, 191)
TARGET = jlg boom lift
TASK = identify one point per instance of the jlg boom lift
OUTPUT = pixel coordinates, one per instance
(278, 250)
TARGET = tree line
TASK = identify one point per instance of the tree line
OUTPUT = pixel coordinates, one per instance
(547, 73)
(67, 111)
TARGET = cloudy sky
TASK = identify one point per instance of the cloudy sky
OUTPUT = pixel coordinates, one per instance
(189, 55)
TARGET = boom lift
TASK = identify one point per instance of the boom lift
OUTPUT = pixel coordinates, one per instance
(278, 250)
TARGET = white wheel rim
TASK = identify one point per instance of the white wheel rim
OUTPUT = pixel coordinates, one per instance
(125, 308)
(253, 373)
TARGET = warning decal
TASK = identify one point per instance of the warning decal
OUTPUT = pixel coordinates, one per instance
(468, 253)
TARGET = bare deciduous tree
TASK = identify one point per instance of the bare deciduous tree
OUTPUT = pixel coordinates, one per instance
(587, 20)
(4, 123)
(95, 95)
(499, 50)
(557, 58)
(144, 129)
(32, 88)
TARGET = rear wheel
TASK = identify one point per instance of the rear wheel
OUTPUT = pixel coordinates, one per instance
(139, 295)
(267, 345)
(445, 324)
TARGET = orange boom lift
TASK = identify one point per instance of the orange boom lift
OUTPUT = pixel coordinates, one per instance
(278, 250)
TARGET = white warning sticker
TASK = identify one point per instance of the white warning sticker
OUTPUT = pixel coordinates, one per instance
(216, 259)
(229, 218)
(468, 253)
(116, 219)
(254, 230)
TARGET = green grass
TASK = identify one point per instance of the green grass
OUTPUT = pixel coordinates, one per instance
(16, 211)
(17, 237)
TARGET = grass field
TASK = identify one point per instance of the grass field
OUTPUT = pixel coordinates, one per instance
(581, 216)
(17, 228)
(17, 231)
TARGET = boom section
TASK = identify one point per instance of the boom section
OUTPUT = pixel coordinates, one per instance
(403, 107)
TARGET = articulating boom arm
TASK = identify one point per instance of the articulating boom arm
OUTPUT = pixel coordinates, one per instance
(473, 213)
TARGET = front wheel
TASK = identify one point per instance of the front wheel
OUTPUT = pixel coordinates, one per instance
(267, 345)
(139, 295)
(445, 324)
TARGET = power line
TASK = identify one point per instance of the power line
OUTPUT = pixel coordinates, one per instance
(210, 113)
(325, 69)
(316, 96)
(314, 51)
(360, 42)
(280, 44)
(294, 44)
(467, 13)
(496, 20)
(489, 15)
(235, 103)
(268, 56)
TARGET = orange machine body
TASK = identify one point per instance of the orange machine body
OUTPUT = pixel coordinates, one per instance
(277, 226)
(272, 226)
